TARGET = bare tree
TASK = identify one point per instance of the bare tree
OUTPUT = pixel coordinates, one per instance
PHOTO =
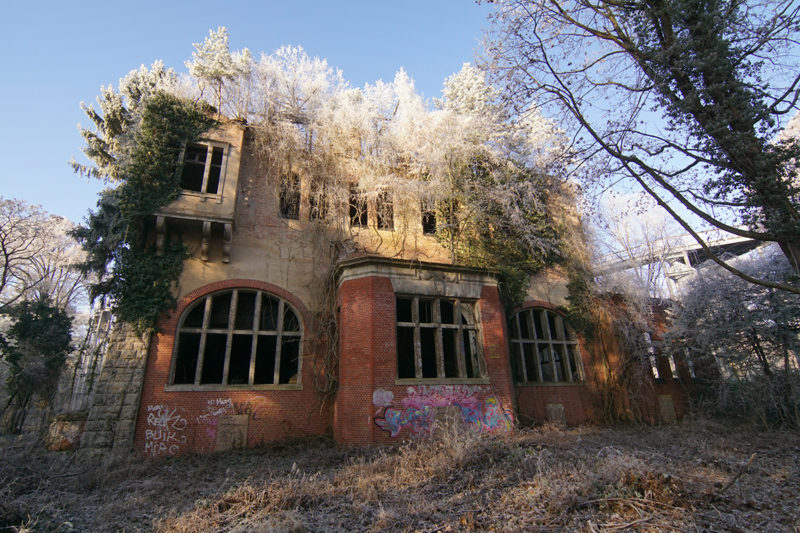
(633, 246)
(683, 96)
(37, 257)
(751, 331)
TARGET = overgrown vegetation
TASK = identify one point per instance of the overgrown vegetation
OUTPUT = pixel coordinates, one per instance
(35, 347)
(139, 135)
(748, 336)
(697, 476)
(684, 98)
(363, 159)
(615, 328)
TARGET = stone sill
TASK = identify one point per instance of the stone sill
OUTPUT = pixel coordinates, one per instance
(443, 381)
(550, 384)
(230, 388)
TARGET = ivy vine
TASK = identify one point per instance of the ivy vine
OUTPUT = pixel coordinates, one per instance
(117, 237)
(516, 249)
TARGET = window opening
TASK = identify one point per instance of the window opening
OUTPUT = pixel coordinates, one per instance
(543, 348)
(318, 200)
(238, 337)
(358, 208)
(673, 367)
(290, 196)
(651, 356)
(437, 338)
(385, 210)
(689, 363)
(428, 220)
(201, 172)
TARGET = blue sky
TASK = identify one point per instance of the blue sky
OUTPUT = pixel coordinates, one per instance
(56, 54)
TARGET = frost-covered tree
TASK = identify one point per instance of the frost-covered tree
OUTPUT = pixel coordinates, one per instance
(751, 329)
(682, 96)
(117, 118)
(751, 332)
(214, 66)
(134, 146)
(37, 257)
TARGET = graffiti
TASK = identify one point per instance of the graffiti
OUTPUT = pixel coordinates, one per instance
(416, 420)
(382, 399)
(251, 408)
(418, 411)
(164, 432)
(218, 407)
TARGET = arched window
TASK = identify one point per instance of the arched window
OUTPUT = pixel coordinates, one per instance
(237, 338)
(543, 348)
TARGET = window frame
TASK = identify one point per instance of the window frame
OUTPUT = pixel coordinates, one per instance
(289, 196)
(229, 331)
(384, 211)
(357, 208)
(210, 146)
(477, 362)
(320, 196)
(561, 370)
(428, 220)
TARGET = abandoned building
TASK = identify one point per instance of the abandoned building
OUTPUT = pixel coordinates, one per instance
(244, 358)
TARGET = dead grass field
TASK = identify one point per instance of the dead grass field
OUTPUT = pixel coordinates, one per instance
(695, 476)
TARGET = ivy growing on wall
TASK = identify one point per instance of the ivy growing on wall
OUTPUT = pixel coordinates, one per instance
(496, 240)
(141, 155)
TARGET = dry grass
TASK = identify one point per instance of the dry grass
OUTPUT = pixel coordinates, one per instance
(696, 476)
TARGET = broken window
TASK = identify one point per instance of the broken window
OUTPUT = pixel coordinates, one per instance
(202, 168)
(358, 207)
(238, 337)
(437, 338)
(318, 196)
(428, 219)
(652, 357)
(543, 348)
(290, 196)
(385, 210)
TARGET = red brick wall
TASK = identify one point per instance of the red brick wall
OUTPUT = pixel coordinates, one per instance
(371, 408)
(532, 399)
(177, 422)
(366, 330)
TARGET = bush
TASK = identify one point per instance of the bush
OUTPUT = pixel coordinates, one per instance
(35, 348)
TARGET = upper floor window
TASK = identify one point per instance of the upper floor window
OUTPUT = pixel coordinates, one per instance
(543, 348)
(318, 197)
(428, 219)
(437, 338)
(384, 207)
(202, 168)
(290, 196)
(242, 337)
(358, 208)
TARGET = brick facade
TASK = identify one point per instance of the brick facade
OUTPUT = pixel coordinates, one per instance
(175, 422)
(238, 240)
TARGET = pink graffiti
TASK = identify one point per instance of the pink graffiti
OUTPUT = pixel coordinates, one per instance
(419, 407)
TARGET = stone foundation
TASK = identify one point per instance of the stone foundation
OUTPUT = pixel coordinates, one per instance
(114, 405)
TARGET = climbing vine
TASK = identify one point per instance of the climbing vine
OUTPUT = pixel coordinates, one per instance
(496, 240)
(117, 236)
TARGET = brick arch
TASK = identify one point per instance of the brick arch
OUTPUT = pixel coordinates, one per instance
(537, 303)
(170, 322)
